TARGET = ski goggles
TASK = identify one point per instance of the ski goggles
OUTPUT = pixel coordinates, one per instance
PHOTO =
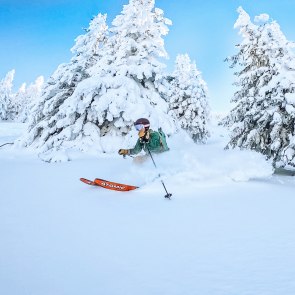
(138, 127)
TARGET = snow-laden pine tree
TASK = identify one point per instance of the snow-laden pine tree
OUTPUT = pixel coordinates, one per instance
(100, 112)
(263, 116)
(19, 101)
(6, 96)
(129, 71)
(46, 116)
(127, 74)
(28, 98)
(189, 99)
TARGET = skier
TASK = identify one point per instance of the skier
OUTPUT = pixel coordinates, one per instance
(149, 140)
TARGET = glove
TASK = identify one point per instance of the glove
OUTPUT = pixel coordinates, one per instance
(123, 152)
(144, 135)
(141, 133)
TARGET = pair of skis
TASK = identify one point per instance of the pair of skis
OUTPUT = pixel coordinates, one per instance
(109, 185)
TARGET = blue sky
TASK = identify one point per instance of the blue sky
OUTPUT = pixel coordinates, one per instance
(36, 35)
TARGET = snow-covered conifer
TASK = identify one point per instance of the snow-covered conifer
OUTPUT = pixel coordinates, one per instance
(189, 98)
(137, 41)
(6, 95)
(19, 100)
(100, 111)
(263, 116)
(45, 116)
(30, 98)
(127, 72)
(87, 48)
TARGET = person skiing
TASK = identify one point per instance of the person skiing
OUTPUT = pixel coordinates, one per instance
(149, 140)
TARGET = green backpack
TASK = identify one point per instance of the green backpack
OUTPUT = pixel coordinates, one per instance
(163, 141)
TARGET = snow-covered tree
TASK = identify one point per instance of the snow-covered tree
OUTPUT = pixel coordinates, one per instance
(28, 97)
(137, 43)
(101, 109)
(87, 48)
(129, 71)
(189, 98)
(19, 99)
(264, 112)
(45, 116)
(6, 95)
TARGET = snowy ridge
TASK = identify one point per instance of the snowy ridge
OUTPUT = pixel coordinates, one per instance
(205, 165)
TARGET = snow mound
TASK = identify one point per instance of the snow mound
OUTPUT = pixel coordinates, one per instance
(201, 165)
(186, 164)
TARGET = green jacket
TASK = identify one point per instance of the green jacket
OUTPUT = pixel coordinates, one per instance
(156, 144)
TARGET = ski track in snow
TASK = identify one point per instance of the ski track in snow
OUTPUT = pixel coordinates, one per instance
(229, 228)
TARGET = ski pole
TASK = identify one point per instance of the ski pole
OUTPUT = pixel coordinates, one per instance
(168, 195)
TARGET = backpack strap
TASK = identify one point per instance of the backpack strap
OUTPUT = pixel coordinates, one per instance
(160, 137)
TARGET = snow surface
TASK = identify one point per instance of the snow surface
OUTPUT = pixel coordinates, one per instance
(228, 229)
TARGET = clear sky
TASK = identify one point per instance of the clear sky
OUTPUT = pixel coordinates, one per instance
(36, 35)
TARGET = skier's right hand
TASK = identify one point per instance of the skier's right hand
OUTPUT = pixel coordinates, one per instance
(123, 152)
(141, 133)
(144, 135)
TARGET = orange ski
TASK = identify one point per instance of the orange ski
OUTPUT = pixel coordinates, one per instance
(87, 181)
(109, 185)
(114, 185)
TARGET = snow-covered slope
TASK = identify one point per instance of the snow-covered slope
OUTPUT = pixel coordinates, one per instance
(228, 229)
